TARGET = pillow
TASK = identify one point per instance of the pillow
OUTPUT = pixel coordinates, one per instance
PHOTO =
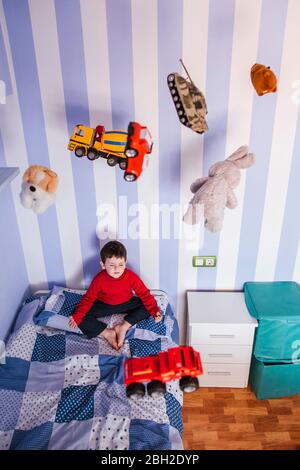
(58, 308)
(30, 307)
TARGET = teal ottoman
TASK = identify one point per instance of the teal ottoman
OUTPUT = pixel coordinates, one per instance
(276, 306)
(274, 380)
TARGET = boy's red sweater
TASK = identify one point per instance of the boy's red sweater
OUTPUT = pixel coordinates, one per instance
(113, 291)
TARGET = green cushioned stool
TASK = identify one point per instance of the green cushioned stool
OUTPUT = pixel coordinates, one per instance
(276, 305)
(274, 380)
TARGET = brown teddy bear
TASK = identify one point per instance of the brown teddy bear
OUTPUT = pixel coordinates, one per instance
(215, 192)
(263, 79)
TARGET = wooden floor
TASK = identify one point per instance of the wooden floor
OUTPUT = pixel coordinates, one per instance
(227, 418)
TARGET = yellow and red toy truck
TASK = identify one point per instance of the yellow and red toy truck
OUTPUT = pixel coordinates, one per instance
(95, 143)
(129, 148)
(182, 362)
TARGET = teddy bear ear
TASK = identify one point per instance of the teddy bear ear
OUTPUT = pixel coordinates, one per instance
(50, 173)
(246, 161)
(29, 174)
(53, 180)
(239, 153)
(52, 185)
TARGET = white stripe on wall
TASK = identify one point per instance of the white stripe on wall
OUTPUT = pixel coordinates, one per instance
(52, 96)
(16, 155)
(296, 274)
(282, 150)
(244, 53)
(195, 34)
(94, 28)
(144, 43)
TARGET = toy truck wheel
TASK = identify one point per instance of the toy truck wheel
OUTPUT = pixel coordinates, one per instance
(131, 153)
(111, 161)
(79, 152)
(156, 388)
(92, 154)
(135, 391)
(129, 177)
(188, 384)
(123, 165)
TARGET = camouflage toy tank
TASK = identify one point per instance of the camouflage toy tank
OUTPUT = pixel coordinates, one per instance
(189, 102)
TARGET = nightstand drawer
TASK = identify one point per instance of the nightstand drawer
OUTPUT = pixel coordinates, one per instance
(224, 375)
(222, 353)
(208, 333)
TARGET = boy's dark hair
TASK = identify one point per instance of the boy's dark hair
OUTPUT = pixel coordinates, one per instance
(111, 249)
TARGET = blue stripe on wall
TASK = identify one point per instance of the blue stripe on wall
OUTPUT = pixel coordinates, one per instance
(219, 51)
(76, 106)
(269, 53)
(290, 234)
(4, 69)
(169, 53)
(119, 29)
(23, 54)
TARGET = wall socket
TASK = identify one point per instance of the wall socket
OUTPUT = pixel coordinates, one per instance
(204, 261)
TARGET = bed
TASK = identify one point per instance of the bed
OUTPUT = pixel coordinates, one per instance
(60, 390)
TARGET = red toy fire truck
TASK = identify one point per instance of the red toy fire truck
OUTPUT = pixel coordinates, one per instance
(182, 363)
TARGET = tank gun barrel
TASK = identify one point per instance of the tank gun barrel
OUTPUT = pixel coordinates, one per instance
(181, 61)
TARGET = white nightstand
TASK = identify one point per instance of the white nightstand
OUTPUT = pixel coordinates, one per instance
(222, 330)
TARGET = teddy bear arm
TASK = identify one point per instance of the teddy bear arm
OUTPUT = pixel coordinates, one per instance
(194, 211)
(231, 202)
(196, 185)
(214, 208)
(213, 217)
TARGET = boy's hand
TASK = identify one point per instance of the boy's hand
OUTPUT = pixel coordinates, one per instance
(158, 317)
(72, 322)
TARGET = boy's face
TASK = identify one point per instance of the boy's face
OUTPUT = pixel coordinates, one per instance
(114, 266)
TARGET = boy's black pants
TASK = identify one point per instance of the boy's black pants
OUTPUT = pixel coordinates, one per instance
(134, 308)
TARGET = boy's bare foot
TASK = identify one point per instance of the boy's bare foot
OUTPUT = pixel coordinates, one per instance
(158, 317)
(121, 331)
(110, 335)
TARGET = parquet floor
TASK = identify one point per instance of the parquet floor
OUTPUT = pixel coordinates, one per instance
(227, 418)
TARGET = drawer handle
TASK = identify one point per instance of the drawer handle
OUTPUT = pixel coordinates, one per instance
(222, 336)
(218, 373)
(220, 355)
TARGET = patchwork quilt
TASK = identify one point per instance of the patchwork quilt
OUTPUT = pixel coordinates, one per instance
(60, 390)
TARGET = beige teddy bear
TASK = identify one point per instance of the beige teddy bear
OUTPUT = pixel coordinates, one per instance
(38, 188)
(215, 192)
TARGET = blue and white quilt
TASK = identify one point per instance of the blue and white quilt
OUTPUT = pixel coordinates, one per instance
(60, 390)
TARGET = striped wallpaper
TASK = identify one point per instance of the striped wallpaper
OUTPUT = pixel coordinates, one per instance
(106, 62)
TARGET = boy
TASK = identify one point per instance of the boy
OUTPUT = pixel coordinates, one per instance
(111, 291)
